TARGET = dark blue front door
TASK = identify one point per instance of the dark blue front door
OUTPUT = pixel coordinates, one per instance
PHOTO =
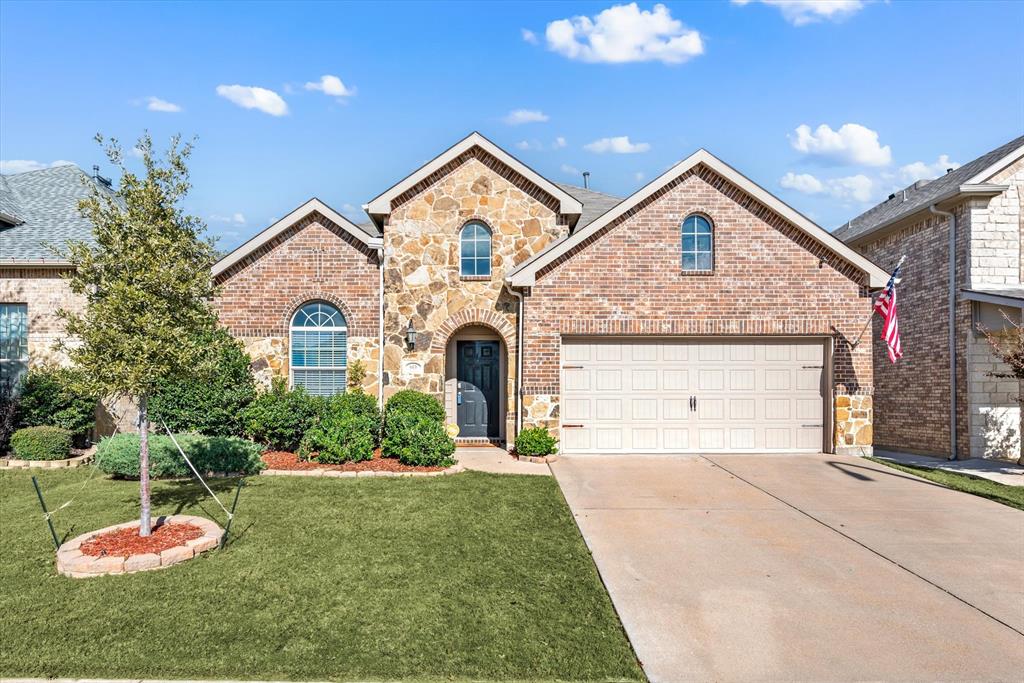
(478, 374)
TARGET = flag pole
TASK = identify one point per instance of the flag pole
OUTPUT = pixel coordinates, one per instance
(872, 313)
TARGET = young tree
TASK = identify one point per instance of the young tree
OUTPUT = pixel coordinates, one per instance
(147, 286)
(1008, 346)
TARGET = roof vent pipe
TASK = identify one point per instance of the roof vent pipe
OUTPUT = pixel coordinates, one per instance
(586, 180)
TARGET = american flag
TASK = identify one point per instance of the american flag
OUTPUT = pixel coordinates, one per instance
(885, 304)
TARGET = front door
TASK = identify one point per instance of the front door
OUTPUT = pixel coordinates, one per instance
(478, 374)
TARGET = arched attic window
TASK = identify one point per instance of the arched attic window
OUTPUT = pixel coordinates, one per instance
(475, 250)
(698, 242)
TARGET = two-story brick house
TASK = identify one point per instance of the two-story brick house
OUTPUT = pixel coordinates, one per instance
(962, 236)
(698, 314)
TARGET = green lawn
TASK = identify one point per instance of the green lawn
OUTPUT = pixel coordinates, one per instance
(986, 488)
(473, 576)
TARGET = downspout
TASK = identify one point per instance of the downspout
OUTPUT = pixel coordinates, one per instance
(952, 326)
(519, 362)
(380, 329)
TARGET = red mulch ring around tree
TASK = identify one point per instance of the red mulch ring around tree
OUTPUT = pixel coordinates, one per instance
(127, 542)
(283, 460)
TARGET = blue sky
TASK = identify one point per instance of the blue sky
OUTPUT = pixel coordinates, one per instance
(830, 105)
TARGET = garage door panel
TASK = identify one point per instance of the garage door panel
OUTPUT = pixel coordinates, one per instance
(634, 395)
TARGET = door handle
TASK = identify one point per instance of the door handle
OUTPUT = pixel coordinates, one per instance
(458, 399)
(693, 403)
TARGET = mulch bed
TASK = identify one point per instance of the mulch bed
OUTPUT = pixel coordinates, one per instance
(127, 542)
(283, 460)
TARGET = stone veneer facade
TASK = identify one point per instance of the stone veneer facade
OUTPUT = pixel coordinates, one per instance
(769, 278)
(315, 259)
(422, 281)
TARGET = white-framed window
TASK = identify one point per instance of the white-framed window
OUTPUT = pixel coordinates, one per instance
(698, 244)
(475, 250)
(318, 341)
(13, 342)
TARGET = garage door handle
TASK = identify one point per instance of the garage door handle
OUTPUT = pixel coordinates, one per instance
(572, 426)
(693, 403)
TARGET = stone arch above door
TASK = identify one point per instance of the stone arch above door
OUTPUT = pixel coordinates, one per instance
(474, 316)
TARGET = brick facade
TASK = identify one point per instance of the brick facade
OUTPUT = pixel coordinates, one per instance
(45, 291)
(314, 259)
(769, 278)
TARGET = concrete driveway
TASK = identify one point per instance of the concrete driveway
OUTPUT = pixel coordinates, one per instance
(812, 568)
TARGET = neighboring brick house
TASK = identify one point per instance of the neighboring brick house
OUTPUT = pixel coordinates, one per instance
(980, 203)
(700, 313)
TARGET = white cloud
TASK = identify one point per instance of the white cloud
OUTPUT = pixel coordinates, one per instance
(569, 170)
(639, 175)
(616, 145)
(625, 33)
(521, 116)
(523, 144)
(331, 85)
(802, 182)
(803, 12)
(12, 166)
(252, 97)
(234, 219)
(852, 143)
(919, 170)
(560, 142)
(529, 36)
(856, 187)
(156, 104)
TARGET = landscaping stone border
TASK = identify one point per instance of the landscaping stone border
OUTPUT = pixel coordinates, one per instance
(14, 464)
(72, 562)
(454, 469)
(542, 459)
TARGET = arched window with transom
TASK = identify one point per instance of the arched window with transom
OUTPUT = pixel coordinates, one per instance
(475, 250)
(698, 244)
(319, 353)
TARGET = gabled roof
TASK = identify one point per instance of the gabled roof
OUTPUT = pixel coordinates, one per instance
(526, 273)
(380, 206)
(594, 203)
(313, 205)
(41, 208)
(970, 179)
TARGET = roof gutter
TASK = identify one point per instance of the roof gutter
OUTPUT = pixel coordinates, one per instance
(952, 326)
(33, 263)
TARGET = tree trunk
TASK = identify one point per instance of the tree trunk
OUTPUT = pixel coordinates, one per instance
(144, 520)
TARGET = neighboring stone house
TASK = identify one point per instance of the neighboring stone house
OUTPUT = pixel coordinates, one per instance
(945, 304)
(698, 314)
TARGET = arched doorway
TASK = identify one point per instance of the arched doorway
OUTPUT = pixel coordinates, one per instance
(476, 382)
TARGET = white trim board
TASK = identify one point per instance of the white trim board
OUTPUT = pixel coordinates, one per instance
(313, 205)
(380, 206)
(525, 275)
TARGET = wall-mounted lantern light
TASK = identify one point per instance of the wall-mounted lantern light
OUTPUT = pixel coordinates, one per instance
(410, 336)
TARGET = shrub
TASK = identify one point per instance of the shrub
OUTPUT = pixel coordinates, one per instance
(356, 402)
(41, 443)
(416, 403)
(119, 455)
(280, 418)
(211, 402)
(418, 440)
(8, 413)
(48, 397)
(342, 438)
(536, 441)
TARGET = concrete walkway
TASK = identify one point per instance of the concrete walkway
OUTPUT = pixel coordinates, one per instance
(1001, 471)
(801, 568)
(496, 460)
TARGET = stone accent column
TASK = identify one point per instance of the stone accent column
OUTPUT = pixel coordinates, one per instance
(853, 424)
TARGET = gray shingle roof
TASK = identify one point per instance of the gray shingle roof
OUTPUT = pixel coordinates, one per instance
(922, 194)
(46, 204)
(594, 203)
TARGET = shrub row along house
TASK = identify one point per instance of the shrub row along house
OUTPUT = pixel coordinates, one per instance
(698, 314)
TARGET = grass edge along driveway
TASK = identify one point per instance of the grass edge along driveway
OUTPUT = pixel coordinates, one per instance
(473, 576)
(1012, 496)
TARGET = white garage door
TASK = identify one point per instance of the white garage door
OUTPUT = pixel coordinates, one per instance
(678, 396)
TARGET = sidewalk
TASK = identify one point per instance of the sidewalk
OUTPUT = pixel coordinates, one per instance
(496, 460)
(1000, 471)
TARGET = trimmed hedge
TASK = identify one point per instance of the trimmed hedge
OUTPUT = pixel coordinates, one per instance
(411, 402)
(536, 441)
(279, 418)
(213, 401)
(345, 438)
(119, 455)
(356, 402)
(42, 442)
(418, 440)
(48, 397)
